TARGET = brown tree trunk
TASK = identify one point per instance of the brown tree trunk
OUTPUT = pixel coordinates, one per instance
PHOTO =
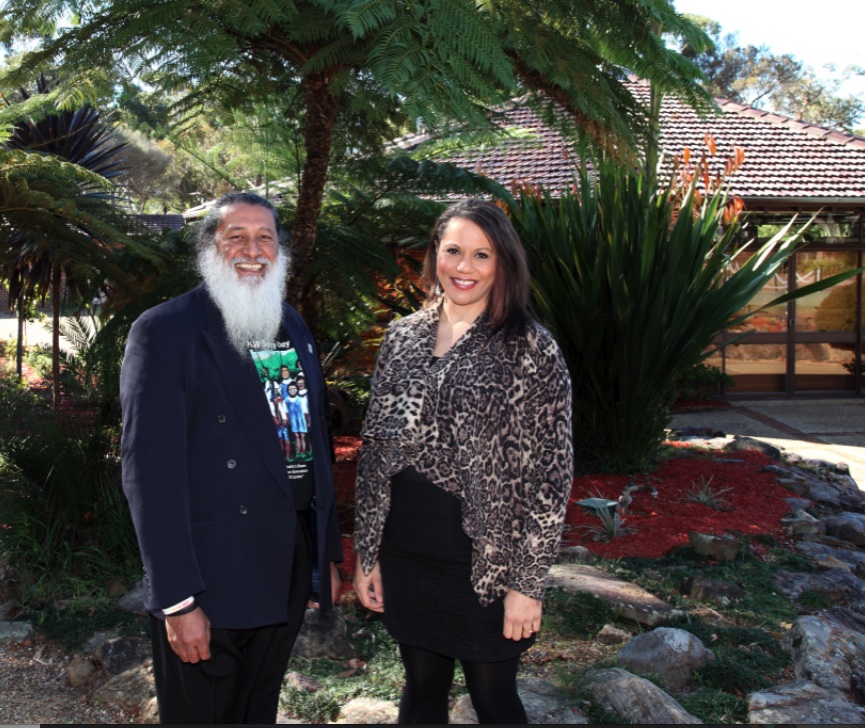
(55, 337)
(321, 112)
(19, 346)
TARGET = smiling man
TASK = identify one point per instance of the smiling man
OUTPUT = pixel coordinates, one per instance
(225, 520)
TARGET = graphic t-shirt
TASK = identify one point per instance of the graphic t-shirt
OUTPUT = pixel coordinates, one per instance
(283, 382)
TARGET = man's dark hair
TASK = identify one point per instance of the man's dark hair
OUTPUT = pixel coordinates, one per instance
(207, 227)
(508, 303)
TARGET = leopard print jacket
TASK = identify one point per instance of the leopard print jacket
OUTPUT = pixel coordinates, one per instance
(489, 422)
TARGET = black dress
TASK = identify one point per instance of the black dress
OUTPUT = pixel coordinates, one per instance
(425, 561)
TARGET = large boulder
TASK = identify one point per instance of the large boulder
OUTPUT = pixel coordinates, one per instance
(825, 651)
(626, 600)
(539, 698)
(847, 527)
(368, 711)
(671, 654)
(801, 702)
(133, 691)
(634, 699)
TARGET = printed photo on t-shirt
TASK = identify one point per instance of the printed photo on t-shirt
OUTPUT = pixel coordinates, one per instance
(284, 385)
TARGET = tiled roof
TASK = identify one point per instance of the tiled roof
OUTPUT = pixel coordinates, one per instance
(785, 159)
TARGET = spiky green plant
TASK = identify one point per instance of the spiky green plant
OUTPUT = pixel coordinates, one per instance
(707, 495)
(635, 285)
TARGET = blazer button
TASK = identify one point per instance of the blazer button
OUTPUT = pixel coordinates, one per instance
(220, 418)
(243, 510)
(232, 464)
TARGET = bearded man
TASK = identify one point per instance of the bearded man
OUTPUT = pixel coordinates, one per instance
(229, 530)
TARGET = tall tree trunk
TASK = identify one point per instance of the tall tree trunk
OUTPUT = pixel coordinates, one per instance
(19, 346)
(321, 112)
(55, 337)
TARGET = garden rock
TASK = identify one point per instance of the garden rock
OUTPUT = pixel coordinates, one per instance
(635, 699)
(801, 702)
(575, 555)
(79, 671)
(797, 505)
(825, 496)
(837, 586)
(848, 618)
(133, 600)
(368, 711)
(848, 527)
(824, 651)
(540, 710)
(739, 444)
(671, 654)
(610, 635)
(625, 599)
(8, 609)
(719, 548)
(802, 526)
(131, 690)
(323, 635)
(829, 557)
(120, 654)
(150, 712)
(721, 593)
(96, 641)
(299, 681)
(15, 631)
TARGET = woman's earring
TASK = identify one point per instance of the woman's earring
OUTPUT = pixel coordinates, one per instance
(438, 290)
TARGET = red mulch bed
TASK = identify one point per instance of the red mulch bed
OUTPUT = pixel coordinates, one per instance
(755, 504)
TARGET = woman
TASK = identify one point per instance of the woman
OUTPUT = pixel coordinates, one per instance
(465, 471)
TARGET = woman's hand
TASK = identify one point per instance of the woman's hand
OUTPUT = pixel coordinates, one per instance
(522, 616)
(368, 587)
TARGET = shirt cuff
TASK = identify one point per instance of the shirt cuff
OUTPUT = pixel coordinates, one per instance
(177, 607)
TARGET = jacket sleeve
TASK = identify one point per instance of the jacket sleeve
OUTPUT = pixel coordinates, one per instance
(154, 460)
(372, 491)
(547, 419)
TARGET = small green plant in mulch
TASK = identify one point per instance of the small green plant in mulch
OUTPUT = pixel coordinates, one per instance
(611, 526)
(709, 496)
(715, 706)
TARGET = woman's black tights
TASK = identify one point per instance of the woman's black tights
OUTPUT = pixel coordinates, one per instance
(428, 679)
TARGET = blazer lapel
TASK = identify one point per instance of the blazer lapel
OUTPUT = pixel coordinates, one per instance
(246, 394)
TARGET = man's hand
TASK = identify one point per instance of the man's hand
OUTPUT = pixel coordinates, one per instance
(189, 635)
(335, 582)
(368, 587)
(522, 616)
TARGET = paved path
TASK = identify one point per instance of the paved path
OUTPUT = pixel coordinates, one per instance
(825, 429)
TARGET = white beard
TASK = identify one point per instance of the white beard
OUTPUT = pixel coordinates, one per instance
(251, 307)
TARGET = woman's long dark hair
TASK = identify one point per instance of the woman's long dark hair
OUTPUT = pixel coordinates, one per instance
(508, 303)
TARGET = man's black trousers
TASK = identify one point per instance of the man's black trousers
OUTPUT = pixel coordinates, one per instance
(240, 682)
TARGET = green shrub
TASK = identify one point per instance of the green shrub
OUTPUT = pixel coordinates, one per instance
(66, 525)
(635, 287)
(701, 381)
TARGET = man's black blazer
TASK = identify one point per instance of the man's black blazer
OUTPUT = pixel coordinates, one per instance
(203, 470)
